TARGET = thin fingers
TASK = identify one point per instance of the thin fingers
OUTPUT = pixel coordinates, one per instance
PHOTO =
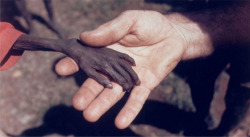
(98, 77)
(132, 73)
(103, 103)
(127, 58)
(133, 106)
(126, 76)
(89, 90)
(117, 77)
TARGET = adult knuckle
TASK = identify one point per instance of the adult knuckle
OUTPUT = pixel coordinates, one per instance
(106, 101)
(135, 107)
(130, 14)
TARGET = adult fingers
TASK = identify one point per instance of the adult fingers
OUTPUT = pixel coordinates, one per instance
(110, 32)
(132, 107)
(89, 90)
(106, 99)
(66, 66)
(2, 134)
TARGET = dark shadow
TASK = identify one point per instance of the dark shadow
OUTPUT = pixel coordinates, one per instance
(194, 5)
(8, 12)
(237, 98)
(164, 116)
(79, 76)
(200, 74)
(48, 24)
(65, 120)
(41, 20)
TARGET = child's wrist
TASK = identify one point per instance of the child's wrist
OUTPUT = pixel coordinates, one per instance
(27, 42)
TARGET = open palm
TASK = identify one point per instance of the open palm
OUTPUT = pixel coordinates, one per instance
(156, 47)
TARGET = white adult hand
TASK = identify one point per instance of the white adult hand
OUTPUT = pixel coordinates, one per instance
(155, 42)
(95, 100)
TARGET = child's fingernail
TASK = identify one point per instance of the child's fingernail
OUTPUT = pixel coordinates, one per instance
(138, 82)
(109, 86)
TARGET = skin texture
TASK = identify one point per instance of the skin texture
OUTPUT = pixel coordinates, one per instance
(152, 64)
(2, 134)
(114, 64)
(179, 37)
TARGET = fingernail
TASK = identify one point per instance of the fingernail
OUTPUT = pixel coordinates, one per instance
(133, 64)
(138, 82)
(109, 86)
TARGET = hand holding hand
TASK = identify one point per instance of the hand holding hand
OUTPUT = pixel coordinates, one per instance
(162, 44)
(114, 64)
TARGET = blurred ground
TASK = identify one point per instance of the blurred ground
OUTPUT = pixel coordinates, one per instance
(34, 100)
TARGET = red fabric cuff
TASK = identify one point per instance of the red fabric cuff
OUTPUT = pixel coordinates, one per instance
(8, 36)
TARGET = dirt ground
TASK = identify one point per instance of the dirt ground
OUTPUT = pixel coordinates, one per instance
(35, 101)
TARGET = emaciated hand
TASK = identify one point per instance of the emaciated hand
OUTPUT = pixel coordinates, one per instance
(94, 61)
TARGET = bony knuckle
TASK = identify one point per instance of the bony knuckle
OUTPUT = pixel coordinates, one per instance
(126, 86)
(109, 59)
(84, 68)
(122, 80)
(105, 101)
(105, 65)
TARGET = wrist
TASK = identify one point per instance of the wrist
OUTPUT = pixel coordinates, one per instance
(70, 47)
(27, 42)
(196, 41)
(209, 29)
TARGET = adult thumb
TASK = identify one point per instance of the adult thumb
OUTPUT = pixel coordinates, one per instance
(66, 66)
(110, 32)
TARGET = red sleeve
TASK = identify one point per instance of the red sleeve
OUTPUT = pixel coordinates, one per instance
(8, 36)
